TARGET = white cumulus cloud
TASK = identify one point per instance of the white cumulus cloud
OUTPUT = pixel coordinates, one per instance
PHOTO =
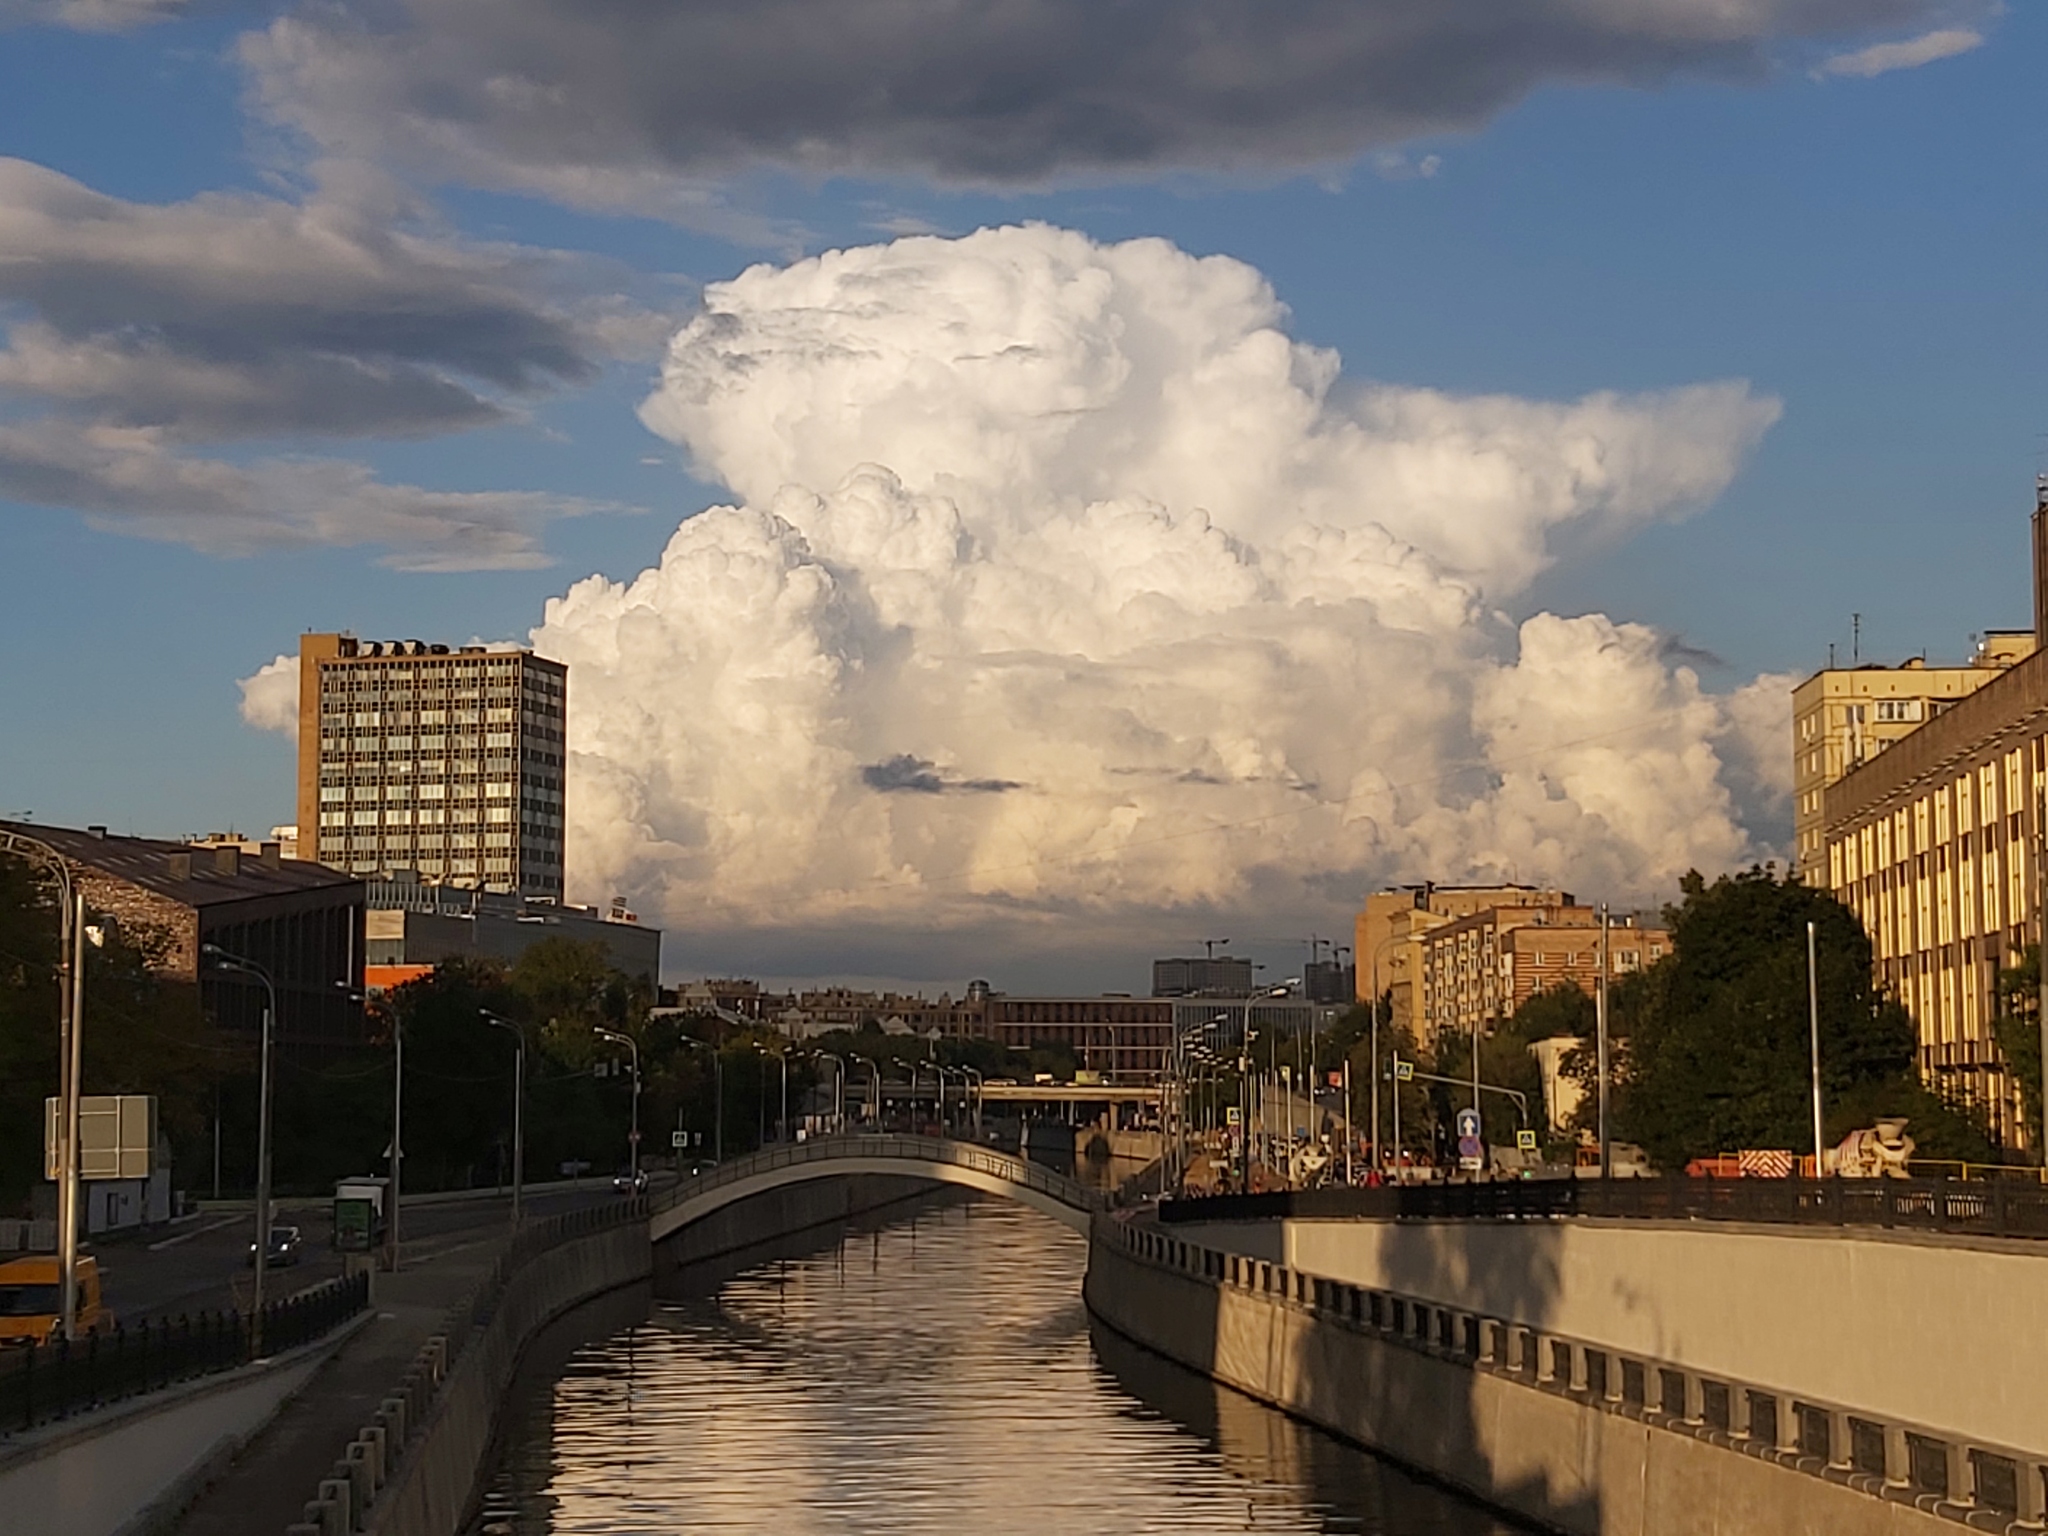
(1063, 584)
(270, 696)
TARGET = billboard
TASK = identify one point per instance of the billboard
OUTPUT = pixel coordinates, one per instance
(116, 1135)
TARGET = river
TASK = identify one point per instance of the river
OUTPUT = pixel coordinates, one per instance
(936, 1372)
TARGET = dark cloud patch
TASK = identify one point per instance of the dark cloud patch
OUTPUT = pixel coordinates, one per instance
(905, 774)
(238, 316)
(614, 102)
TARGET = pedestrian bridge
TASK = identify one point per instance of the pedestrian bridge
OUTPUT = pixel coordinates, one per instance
(939, 1159)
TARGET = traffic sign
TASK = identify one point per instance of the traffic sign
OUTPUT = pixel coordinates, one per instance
(1525, 1141)
(1468, 1124)
(1232, 1115)
(678, 1139)
(1471, 1148)
(1404, 1071)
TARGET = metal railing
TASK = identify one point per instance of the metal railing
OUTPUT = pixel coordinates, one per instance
(909, 1149)
(1978, 1207)
(53, 1381)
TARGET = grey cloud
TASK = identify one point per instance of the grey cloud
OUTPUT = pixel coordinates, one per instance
(133, 482)
(647, 103)
(905, 774)
(239, 316)
(88, 15)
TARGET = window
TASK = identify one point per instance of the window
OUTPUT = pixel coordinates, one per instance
(1897, 711)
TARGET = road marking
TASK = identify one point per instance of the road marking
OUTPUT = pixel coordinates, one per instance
(186, 1237)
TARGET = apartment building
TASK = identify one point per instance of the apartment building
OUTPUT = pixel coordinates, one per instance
(1844, 716)
(1477, 970)
(445, 761)
(1936, 844)
(1393, 923)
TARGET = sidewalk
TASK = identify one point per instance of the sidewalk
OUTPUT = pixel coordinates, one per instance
(267, 1486)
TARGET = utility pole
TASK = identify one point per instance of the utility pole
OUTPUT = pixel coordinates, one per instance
(68, 1212)
(1600, 1028)
(1820, 1166)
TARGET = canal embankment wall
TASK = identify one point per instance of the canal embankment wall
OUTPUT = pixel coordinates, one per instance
(778, 1221)
(1904, 1325)
(1558, 1430)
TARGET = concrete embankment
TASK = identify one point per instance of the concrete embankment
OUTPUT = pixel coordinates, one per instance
(1573, 1437)
(787, 1220)
(427, 1487)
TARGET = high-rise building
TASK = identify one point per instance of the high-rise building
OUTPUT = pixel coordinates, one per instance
(1936, 845)
(1390, 928)
(443, 761)
(1844, 716)
(1211, 976)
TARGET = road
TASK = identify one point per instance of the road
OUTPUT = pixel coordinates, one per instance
(203, 1264)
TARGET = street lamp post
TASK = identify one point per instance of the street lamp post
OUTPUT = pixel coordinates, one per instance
(1378, 950)
(1813, 1019)
(518, 1109)
(633, 1137)
(236, 963)
(718, 1094)
(838, 1088)
(70, 1021)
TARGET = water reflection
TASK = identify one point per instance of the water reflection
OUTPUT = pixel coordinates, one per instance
(937, 1373)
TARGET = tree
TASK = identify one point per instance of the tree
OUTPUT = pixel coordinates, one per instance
(2017, 1029)
(1715, 1052)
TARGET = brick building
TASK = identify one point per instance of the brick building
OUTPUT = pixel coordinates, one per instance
(301, 921)
(1477, 970)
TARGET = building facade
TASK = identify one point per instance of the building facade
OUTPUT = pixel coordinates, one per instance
(1936, 844)
(1844, 716)
(1393, 923)
(445, 762)
(411, 921)
(300, 921)
(1477, 970)
(1202, 976)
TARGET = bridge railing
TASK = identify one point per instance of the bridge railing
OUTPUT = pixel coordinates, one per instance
(907, 1149)
(1987, 1208)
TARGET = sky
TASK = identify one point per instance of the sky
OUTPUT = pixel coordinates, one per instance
(1020, 487)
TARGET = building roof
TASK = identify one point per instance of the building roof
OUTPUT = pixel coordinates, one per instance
(155, 864)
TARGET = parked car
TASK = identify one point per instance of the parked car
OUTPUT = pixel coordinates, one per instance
(30, 1299)
(283, 1249)
(629, 1181)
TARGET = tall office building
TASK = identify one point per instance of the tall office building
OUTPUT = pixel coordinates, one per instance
(419, 757)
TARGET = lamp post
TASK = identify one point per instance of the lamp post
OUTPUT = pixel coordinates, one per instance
(518, 1108)
(243, 967)
(70, 1019)
(1820, 1166)
(838, 1088)
(718, 1095)
(633, 1137)
(1378, 950)
(1600, 1050)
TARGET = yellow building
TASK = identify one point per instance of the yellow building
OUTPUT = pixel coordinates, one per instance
(1477, 970)
(1935, 844)
(1390, 928)
(1844, 716)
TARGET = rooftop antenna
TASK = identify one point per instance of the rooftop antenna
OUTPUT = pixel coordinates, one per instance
(1831, 655)
(1855, 639)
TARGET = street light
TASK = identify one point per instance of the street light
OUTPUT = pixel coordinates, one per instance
(242, 967)
(70, 1029)
(518, 1108)
(838, 1088)
(718, 1093)
(633, 1139)
(782, 1132)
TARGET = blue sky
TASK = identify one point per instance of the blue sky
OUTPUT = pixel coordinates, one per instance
(1866, 250)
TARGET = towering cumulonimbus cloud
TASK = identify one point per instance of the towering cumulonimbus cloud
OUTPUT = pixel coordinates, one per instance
(1063, 582)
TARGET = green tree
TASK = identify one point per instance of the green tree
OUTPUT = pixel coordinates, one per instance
(2017, 1029)
(1714, 1038)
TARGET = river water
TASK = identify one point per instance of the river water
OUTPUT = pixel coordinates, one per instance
(934, 1373)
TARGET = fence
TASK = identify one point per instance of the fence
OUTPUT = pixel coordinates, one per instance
(1981, 1207)
(53, 1381)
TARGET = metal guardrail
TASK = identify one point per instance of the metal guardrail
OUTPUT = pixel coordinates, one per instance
(927, 1149)
(53, 1381)
(1984, 1208)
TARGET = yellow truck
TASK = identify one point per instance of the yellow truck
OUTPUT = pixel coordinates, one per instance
(31, 1294)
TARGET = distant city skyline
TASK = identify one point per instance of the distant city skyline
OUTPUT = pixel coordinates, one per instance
(1443, 475)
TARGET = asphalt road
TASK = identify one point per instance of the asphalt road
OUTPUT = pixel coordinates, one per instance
(203, 1264)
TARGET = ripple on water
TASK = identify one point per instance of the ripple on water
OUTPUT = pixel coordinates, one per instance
(937, 1374)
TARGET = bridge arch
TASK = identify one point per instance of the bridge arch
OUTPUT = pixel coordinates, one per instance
(939, 1159)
